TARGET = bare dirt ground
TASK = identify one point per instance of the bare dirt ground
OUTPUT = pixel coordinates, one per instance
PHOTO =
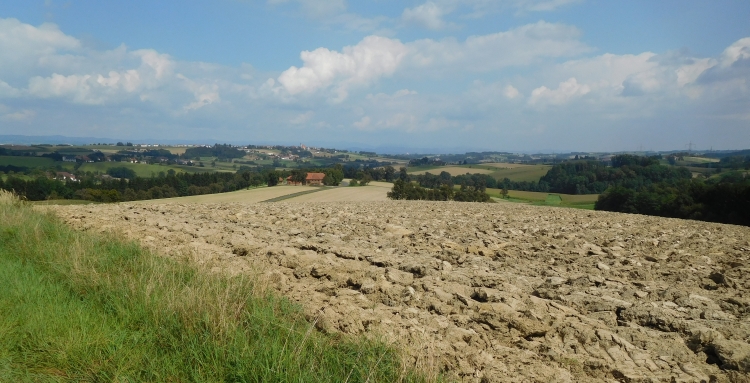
(484, 292)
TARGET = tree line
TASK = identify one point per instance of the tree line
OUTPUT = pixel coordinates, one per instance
(429, 187)
(218, 150)
(406, 190)
(720, 201)
(627, 171)
(124, 185)
(138, 188)
(429, 180)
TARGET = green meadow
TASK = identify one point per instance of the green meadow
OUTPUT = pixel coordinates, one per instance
(584, 201)
(514, 172)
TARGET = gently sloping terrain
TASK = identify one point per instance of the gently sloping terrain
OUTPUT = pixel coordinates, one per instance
(504, 165)
(294, 195)
(485, 292)
(345, 194)
(530, 173)
(244, 196)
(453, 170)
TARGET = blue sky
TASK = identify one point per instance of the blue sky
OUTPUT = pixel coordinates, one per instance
(439, 75)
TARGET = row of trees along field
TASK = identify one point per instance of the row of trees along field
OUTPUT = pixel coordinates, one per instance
(370, 172)
(165, 185)
(633, 184)
(628, 171)
(218, 150)
(406, 190)
(430, 180)
(137, 188)
(724, 199)
(574, 177)
(733, 160)
(429, 187)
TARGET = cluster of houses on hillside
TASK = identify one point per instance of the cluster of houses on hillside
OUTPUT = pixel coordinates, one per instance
(65, 176)
(100, 157)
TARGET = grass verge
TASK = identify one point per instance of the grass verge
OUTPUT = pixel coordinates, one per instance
(80, 307)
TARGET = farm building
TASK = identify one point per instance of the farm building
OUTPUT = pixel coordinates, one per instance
(64, 176)
(314, 179)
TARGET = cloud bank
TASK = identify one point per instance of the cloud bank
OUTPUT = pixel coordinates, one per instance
(533, 86)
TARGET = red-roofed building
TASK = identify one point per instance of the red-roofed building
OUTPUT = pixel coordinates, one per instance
(314, 179)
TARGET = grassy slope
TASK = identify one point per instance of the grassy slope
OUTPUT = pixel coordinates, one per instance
(82, 307)
(453, 170)
(527, 173)
(697, 160)
(515, 172)
(550, 199)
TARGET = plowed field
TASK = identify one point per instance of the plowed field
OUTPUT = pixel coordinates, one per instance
(483, 292)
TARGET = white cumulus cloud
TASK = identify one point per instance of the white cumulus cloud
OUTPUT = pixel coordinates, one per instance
(519, 46)
(511, 92)
(205, 93)
(363, 123)
(428, 15)
(97, 88)
(372, 58)
(566, 91)
(739, 50)
(23, 45)
(7, 91)
(375, 57)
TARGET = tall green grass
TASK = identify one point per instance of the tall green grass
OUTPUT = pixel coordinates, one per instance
(79, 307)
